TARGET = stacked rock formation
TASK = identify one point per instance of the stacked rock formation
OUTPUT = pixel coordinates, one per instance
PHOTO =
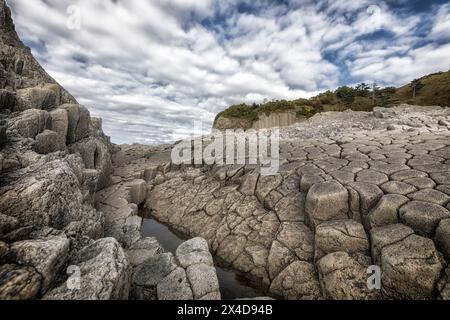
(57, 240)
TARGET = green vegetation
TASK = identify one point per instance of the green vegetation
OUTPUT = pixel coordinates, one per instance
(433, 89)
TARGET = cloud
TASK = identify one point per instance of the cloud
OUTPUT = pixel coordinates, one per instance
(150, 68)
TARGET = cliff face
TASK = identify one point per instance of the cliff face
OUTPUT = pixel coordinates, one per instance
(68, 230)
(276, 119)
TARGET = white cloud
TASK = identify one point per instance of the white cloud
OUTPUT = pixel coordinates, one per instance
(149, 68)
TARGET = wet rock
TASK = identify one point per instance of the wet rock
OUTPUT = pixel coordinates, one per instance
(343, 235)
(104, 270)
(19, 282)
(410, 269)
(326, 201)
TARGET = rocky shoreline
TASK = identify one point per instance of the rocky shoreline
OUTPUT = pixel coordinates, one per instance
(354, 190)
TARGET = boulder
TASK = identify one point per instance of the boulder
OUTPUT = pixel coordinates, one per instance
(30, 123)
(386, 211)
(142, 250)
(95, 155)
(326, 201)
(78, 122)
(7, 100)
(19, 282)
(423, 217)
(194, 251)
(175, 286)
(41, 97)
(344, 277)
(443, 237)
(137, 190)
(381, 237)
(47, 256)
(104, 274)
(298, 281)
(203, 281)
(342, 235)
(49, 141)
(60, 122)
(410, 268)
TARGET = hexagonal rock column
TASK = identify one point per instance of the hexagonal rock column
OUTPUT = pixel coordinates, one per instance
(195, 257)
(443, 237)
(423, 217)
(326, 201)
(410, 269)
(341, 235)
(344, 277)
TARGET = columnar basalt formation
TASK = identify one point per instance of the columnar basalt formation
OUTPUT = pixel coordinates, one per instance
(354, 190)
(59, 239)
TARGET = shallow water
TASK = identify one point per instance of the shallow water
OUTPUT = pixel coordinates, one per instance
(232, 284)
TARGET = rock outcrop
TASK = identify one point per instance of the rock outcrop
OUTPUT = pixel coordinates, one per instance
(354, 192)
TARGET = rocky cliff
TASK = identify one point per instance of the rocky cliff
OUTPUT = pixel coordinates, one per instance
(59, 239)
(355, 192)
(272, 120)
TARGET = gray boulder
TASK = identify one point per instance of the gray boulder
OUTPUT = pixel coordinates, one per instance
(104, 274)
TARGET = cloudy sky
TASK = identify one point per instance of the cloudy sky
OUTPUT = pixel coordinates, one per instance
(150, 68)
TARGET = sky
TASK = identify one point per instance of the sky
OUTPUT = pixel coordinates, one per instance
(150, 68)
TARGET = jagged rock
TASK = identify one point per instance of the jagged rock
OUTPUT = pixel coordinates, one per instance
(19, 282)
(175, 286)
(60, 122)
(297, 281)
(363, 197)
(30, 123)
(78, 122)
(203, 281)
(104, 270)
(7, 100)
(137, 190)
(41, 97)
(443, 237)
(430, 195)
(49, 141)
(397, 187)
(95, 155)
(248, 184)
(4, 250)
(410, 268)
(341, 235)
(344, 277)
(423, 217)
(326, 201)
(7, 224)
(142, 250)
(44, 194)
(383, 236)
(152, 271)
(47, 256)
(194, 251)
(386, 211)
(3, 136)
